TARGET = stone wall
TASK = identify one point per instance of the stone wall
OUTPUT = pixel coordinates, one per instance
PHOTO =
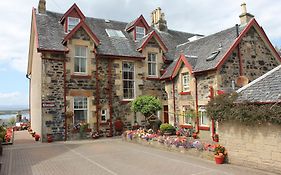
(255, 146)
(256, 60)
(53, 99)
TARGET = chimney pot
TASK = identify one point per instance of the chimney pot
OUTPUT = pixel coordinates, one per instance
(245, 17)
(42, 6)
(158, 19)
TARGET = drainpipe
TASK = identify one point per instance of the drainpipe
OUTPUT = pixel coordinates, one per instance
(196, 105)
(211, 89)
(64, 94)
(29, 97)
(239, 52)
(110, 96)
(174, 101)
(97, 92)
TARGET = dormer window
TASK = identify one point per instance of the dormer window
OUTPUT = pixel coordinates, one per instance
(71, 23)
(140, 32)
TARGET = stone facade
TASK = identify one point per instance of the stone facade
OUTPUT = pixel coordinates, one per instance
(255, 146)
(53, 99)
(257, 59)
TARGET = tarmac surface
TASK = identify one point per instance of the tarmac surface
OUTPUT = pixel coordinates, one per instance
(104, 157)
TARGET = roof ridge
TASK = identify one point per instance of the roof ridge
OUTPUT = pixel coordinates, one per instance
(259, 79)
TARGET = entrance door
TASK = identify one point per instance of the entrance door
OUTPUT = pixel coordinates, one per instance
(166, 114)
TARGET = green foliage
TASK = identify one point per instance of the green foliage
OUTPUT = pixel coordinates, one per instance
(2, 133)
(147, 105)
(12, 121)
(224, 108)
(165, 127)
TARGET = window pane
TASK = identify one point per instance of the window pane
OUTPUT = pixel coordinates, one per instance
(83, 64)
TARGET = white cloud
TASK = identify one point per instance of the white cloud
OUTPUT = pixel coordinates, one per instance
(12, 98)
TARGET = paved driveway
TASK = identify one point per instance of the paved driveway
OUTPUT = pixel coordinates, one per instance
(106, 157)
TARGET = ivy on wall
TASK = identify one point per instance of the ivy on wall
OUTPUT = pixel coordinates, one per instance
(223, 108)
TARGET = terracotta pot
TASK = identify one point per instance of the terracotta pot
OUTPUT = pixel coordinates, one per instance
(219, 159)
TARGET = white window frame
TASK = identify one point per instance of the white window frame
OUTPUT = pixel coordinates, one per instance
(201, 112)
(185, 109)
(71, 23)
(84, 107)
(128, 80)
(185, 82)
(140, 32)
(80, 58)
(152, 64)
(104, 113)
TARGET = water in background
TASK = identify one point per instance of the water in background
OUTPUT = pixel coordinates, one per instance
(8, 116)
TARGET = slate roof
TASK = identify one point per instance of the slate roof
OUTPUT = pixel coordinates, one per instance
(51, 33)
(265, 89)
(196, 52)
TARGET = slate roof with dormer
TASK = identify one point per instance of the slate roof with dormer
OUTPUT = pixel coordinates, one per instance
(196, 52)
(51, 34)
(265, 89)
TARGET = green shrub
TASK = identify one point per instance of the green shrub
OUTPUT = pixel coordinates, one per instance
(165, 127)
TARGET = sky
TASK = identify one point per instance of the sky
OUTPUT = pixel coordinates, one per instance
(200, 16)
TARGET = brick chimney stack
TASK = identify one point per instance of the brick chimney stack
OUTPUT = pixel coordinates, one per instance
(158, 20)
(42, 6)
(245, 17)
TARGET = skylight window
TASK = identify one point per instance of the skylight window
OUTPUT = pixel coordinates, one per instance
(114, 33)
(213, 55)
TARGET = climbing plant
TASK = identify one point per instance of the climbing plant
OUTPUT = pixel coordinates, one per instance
(225, 108)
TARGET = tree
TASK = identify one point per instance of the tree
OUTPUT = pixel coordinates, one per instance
(147, 105)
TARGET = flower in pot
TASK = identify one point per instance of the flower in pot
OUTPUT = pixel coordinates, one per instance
(220, 153)
(36, 137)
(167, 129)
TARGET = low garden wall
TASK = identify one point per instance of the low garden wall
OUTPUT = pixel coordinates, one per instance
(254, 146)
(185, 145)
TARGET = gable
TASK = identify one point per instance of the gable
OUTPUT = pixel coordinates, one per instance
(79, 31)
(153, 36)
(73, 11)
(252, 24)
(140, 22)
(182, 61)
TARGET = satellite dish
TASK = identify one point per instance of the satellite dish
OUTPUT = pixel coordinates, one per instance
(242, 81)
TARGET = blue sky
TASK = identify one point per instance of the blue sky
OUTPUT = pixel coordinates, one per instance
(200, 16)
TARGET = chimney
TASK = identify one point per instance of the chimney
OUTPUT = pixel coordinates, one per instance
(158, 20)
(245, 17)
(42, 6)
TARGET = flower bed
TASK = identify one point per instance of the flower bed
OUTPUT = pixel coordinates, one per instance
(183, 144)
(8, 136)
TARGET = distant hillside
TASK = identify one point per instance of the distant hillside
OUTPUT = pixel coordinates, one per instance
(13, 108)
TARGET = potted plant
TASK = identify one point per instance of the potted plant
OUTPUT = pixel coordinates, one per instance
(167, 129)
(36, 137)
(220, 153)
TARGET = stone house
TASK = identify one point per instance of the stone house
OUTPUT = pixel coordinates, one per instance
(260, 143)
(96, 67)
(216, 64)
